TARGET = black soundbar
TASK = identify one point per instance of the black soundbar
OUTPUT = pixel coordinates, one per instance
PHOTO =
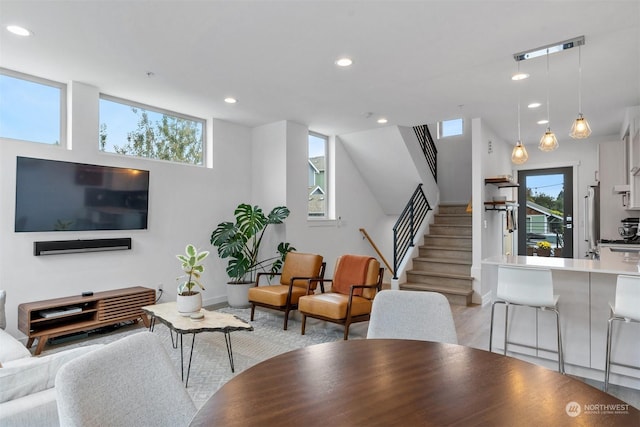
(76, 246)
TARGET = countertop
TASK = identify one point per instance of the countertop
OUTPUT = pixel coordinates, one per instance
(608, 266)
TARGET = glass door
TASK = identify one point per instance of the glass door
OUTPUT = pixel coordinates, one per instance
(545, 212)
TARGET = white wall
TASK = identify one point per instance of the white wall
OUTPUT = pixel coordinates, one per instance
(455, 181)
(355, 205)
(264, 166)
(185, 204)
(279, 177)
(495, 155)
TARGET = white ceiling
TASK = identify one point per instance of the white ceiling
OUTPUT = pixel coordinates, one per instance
(414, 62)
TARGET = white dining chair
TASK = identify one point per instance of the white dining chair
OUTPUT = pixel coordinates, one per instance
(626, 308)
(528, 287)
(412, 315)
(130, 382)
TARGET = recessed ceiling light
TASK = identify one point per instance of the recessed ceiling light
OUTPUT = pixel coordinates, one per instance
(520, 76)
(534, 105)
(382, 120)
(543, 122)
(18, 30)
(230, 100)
(344, 62)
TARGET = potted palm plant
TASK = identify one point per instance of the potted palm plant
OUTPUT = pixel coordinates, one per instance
(189, 300)
(240, 242)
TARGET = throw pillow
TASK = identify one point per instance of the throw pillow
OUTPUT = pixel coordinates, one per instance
(3, 318)
(11, 348)
(23, 377)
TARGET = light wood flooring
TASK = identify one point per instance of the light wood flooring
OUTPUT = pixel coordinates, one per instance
(472, 325)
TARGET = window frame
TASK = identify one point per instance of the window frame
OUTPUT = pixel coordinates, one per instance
(441, 128)
(326, 215)
(158, 110)
(62, 110)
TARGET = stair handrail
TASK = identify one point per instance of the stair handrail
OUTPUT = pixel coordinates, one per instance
(375, 248)
(428, 148)
(408, 223)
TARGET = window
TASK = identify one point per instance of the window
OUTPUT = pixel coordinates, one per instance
(31, 108)
(448, 128)
(317, 178)
(134, 129)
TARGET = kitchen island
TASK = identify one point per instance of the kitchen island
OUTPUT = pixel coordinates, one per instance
(585, 288)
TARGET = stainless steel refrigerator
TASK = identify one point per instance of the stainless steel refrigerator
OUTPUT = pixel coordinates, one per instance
(592, 220)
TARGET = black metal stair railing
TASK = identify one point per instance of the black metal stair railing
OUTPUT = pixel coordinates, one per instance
(407, 225)
(428, 148)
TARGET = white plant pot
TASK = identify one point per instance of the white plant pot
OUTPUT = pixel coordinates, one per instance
(238, 294)
(188, 304)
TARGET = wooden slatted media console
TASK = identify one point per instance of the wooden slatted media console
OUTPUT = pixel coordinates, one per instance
(62, 316)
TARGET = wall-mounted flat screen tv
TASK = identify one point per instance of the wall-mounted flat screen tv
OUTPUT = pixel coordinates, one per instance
(54, 195)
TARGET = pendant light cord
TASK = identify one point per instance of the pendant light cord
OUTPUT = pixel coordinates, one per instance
(548, 115)
(519, 140)
(580, 80)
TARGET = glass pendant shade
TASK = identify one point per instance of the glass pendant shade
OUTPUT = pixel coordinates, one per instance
(519, 154)
(548, 142)
(580, 128)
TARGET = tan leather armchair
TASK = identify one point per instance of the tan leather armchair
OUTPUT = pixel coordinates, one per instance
(300, 275)
(356, 281)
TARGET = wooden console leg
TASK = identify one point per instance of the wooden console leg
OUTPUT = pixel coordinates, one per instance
(29, 342)
(145, 320)
(41, 342)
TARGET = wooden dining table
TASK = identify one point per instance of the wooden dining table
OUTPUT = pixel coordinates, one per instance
(411, 383)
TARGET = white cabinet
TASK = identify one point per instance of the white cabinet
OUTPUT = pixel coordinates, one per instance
(585, 289)
(631, 137)
(625, 348)
(612, 176)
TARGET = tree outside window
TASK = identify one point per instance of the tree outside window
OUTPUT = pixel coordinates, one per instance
(134, 130)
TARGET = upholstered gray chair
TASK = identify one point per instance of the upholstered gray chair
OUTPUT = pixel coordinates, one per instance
(412, 315)
(130, 382)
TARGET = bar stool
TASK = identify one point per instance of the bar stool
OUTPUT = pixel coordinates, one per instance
(626, 308)
(529, 287)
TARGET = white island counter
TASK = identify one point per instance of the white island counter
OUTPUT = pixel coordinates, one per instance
(616, 266)
(585, 288)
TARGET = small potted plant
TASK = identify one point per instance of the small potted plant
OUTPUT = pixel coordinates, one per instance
(543, 248)
(189, 300)
(240, 242)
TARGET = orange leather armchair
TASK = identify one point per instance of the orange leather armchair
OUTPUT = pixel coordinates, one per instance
(356, 281)
(300, 275)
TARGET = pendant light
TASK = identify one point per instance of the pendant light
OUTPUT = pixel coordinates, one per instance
(580, 128)
(519, 154)
(548, 142)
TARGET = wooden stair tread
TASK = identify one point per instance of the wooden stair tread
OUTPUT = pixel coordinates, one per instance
(439, 289)
(443, 260)
(443, 275)
(446, 248)
(448, 236)
(450, 225)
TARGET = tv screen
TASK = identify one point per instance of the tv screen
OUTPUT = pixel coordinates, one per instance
(54, 195)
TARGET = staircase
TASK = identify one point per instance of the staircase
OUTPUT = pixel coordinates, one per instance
(444, 261)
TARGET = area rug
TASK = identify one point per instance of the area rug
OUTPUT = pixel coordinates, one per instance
(210, 367)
